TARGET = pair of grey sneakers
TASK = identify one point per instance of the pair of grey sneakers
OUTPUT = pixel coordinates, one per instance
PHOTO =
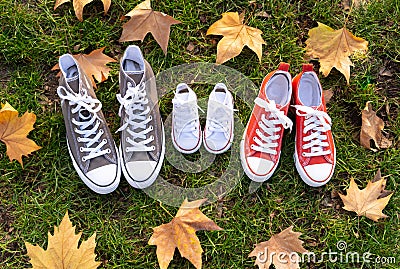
(93, 151)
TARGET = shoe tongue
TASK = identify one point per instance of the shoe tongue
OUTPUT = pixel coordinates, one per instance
(73, 83)
(135, 76)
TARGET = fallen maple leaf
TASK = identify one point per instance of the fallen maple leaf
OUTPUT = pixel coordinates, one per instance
(80, 4)
(181, 233)
(62, 250)
(145, 20)
(371, 128)
(93, 64)
(333, 48)
(367, 202)
(236, 36)
(278, 250)
(14, 131)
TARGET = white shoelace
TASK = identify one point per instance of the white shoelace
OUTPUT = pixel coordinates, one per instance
(92, 106)
(220, 118)
(134, 102)
(267, 144)
(185, 115)
(318, 122)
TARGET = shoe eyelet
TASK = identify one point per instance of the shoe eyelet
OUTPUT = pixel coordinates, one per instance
(252, 146)
(101, 131)
(254, 138)
(84, 159)
(81, 149)
(150, 117)
(151, 128)
(152, 137)
(153, 147)
(78, 139)
(108, 151)
(303, 154)
(104, 140)
(127, 139)
(303, 147)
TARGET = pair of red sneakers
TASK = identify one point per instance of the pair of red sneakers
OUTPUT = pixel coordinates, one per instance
(260, 147)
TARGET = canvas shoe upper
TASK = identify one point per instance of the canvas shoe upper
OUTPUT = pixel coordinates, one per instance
(315, 155)
(89, 140)
(142, 144)
(186, 129)
(260, 147)
(218, 131)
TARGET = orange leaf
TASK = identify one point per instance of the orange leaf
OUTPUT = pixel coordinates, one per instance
(236, 36)
(367, 202)
(278, 250)
(371, 129)
(93, 64)
(62, 250)
(145, 20)
(80, 4)
(14, 131)
(181, 233)
(333, 48)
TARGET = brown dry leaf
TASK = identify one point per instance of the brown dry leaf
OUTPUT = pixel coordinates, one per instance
(145, 20)
(93, 64)
(278, 250)
(62, 250)
(333, 48)
(236, 36)
(181, 233)
(370, 201)
(327, 95)
(80, 4)
(14, 131)
(371, 128)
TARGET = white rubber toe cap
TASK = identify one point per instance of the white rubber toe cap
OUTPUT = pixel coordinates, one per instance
(103, 176)
(261, 167)
(319, 172)
(141, 170)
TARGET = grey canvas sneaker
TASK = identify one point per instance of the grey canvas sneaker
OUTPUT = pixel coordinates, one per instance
(90, 144)
(142, 144)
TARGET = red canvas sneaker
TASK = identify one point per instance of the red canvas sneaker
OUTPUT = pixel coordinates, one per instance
(315, 154)
(260, 147)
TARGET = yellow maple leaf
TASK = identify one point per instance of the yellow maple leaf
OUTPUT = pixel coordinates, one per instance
(367, 202)
(181, 233)
(14, 131)
(333, 48)
(145, 20)
(62, 250)
(278, 250)
(93, 64)
(236, 36)
(80, 4)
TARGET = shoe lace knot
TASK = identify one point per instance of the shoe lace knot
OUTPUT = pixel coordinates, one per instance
(219, 117)
(135, 104)
(186, 115)
(317, 123)
(268, 127)
(87, 122)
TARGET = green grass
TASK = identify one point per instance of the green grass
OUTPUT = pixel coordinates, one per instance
(33, 199)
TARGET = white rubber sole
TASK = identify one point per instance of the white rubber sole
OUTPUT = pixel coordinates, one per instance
(186, 151)
(94, 187)
(149, 181)
(247, 170)
(304, 175)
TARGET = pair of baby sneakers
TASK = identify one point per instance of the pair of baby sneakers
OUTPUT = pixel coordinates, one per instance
(95, 157)
(260, 148)
(186, 133)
